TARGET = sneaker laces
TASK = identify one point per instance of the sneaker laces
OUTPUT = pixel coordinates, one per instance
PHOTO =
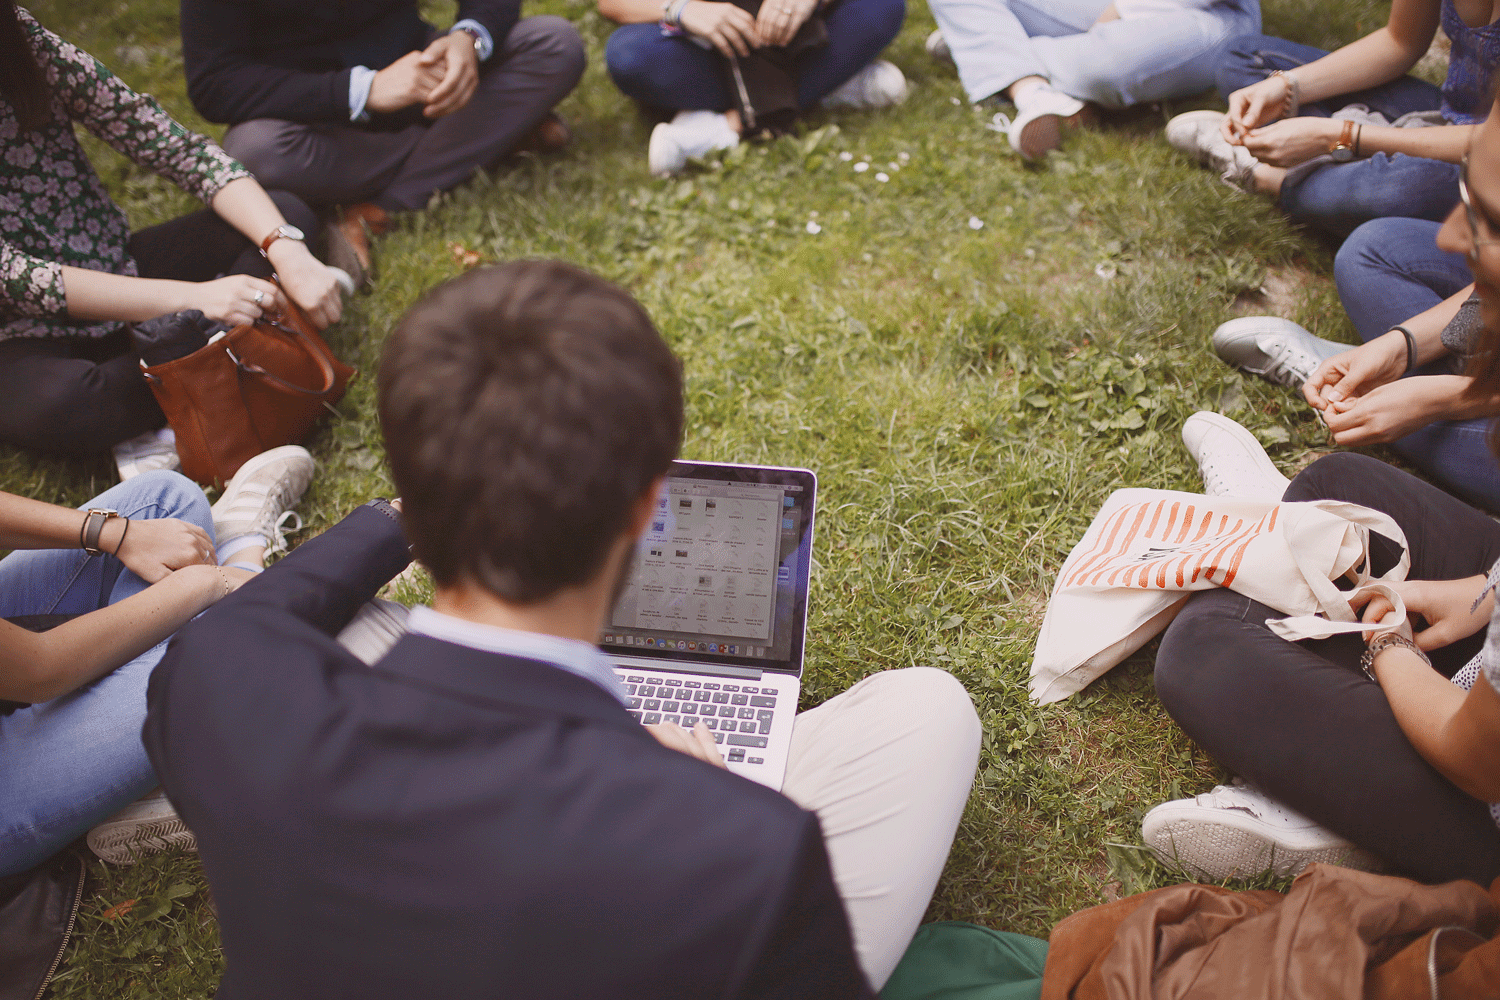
(275, 534)
(1000, 123)
(1291, 363)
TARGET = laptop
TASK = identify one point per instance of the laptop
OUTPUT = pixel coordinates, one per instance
(711, 621)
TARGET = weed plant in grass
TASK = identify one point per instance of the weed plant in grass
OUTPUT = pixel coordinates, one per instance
(969, 393)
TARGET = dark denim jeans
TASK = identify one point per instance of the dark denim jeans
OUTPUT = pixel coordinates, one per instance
(1387, 272)
(677, 74)
(1336, 198)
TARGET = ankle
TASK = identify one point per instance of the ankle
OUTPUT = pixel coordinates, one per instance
(1018, 91)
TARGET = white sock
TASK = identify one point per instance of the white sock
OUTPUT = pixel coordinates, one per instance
(240, 544)
(1021, 91)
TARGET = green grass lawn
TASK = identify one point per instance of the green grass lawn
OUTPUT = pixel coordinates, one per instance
(968, 394)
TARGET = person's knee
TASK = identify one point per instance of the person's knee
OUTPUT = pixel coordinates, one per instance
(1326, 478)
(881, 20)
(935, 698)
(628, 58)
(1184, 675)
(553, 41)
(268, 149)
(1238, 56)
(172, 494)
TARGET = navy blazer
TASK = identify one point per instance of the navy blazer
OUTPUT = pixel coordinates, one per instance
(455, 823)
(290, 59)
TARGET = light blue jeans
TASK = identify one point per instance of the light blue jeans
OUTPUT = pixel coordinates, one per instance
(1151, 57)
(70, 762)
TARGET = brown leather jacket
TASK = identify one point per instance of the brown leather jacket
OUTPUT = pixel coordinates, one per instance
(1337, 933)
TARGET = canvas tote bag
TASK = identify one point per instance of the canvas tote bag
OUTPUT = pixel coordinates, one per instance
(1147, 550)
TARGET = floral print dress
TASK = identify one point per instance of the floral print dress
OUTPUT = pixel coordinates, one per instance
(53, 207)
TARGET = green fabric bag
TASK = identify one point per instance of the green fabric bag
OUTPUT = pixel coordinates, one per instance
(953, 960)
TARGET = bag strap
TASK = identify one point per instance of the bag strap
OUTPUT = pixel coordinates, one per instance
(325, 368)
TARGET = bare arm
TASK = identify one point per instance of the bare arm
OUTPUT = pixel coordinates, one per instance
(37, 667)
(1377, 58)
(1455, 731)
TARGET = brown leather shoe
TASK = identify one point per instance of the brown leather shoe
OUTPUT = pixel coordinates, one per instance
(548, 136)
(347, 238)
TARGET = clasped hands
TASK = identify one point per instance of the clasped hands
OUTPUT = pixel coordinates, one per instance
(1252, 122)
(733, 31)
(153, 549)
(441, 78)
(1447, 605)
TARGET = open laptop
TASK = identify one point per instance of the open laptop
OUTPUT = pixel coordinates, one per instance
(711, 621)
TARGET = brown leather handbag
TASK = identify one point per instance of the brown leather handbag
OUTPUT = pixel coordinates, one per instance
(258, 386)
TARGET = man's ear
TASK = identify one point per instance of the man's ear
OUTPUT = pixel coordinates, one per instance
(644, 507)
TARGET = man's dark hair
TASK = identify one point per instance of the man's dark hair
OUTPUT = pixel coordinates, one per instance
(23, 85)
(526, 408)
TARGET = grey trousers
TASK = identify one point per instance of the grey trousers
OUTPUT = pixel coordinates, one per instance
(538, 64)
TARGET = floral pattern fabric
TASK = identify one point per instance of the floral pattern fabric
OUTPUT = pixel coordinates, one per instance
(54, 210)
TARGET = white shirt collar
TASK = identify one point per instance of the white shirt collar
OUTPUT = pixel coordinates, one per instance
(578, 658)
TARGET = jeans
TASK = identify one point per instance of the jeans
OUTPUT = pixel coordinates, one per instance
(81, 395)
(1301, 722)
(1336, 198)
(1115, 64)
(538, 64)
(675, 73)
(1387, 272)
(69, 763)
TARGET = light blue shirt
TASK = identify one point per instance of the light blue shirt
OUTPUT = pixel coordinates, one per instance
(578, 658)
(360, 77)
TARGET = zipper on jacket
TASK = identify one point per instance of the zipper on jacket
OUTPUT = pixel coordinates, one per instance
(83, 877)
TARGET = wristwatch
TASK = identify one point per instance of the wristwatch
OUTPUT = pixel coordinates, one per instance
(93, 526)
(1343, 150)
(282, 232)
(478, 39)
(1380, 644)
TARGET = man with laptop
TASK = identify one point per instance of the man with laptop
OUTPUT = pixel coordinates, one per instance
(481, 812)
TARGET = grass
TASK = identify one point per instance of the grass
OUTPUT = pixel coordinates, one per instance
(968, 395)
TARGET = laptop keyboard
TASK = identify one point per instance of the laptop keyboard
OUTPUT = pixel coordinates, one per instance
(739, 715)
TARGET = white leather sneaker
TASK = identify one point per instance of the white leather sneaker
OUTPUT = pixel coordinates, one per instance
(689, 134)
(144, 827)
(1276, 349)
(1197, 134)
(1231, 460)
(1037, 128)
(146, 453)
(258, 498)
(879, 85)
(1236, 831)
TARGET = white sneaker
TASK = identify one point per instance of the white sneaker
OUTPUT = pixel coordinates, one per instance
(879, 85)
(1231, 461)
(1276, 349)
(1037, 128)
(144, 827)
(257, 499)
(690, 134)
(1236, 831)
(937, 46)
(146, 453)
(1197, 134)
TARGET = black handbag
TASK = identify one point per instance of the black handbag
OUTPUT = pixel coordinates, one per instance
(38, 909)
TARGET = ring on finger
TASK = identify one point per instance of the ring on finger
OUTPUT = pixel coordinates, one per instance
(260, 296)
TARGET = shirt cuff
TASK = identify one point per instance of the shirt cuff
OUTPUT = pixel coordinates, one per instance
(484, 44)
(360, 79)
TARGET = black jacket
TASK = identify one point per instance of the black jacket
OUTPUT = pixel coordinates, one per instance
(290, 59)
(452, 823)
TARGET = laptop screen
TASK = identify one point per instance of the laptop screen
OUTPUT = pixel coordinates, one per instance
(721, 572)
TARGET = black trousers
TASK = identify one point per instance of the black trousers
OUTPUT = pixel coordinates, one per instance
(81, 395)
(1302, 722)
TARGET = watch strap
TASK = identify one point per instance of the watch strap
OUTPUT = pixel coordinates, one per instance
(279, 233)
(93, 526)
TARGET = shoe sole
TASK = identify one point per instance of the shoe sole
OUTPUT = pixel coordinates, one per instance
(249, 469)
(128, 842)
(1234, 847)
(342, 255)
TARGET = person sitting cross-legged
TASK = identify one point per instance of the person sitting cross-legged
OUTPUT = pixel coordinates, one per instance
(1052, 58)
(478, 814)
(364, 105)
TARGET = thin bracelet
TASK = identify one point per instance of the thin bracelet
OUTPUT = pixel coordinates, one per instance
(224, 579)
(1411, 348)
(1293, 102)
(123, 532)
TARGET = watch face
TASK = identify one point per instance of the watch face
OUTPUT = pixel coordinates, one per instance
(292, 233)
(1341, 154)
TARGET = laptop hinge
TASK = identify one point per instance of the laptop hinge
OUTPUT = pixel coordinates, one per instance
(682, 667)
